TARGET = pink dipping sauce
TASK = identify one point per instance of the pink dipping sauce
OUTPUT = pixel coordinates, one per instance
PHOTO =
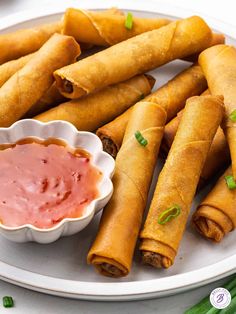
(43, 182)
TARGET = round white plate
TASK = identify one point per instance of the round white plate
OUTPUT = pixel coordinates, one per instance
(60, 268)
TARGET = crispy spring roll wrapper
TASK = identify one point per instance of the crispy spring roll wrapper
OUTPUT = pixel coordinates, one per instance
(134, 56)
(11, 67)
(28, 85)
(93, 111)
(24, 41)
(171, 96)
(113, 248)
(112, 133)
(178, 179)
(219, 66)
(105, 28)
(86, 46)
(50, 99)
(217, 157)
(216, 39)
(216, 215)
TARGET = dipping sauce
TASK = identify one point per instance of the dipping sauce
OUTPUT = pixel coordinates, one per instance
(43, 182)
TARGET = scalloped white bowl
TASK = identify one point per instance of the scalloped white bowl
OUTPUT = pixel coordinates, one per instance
(85, 140)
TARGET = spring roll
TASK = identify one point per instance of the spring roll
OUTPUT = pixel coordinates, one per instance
(134, 56)
(219, 66)
(216, 215)
(105, 28)
(112, 133)
(178, 180)
(171, 96)
(11, 67)
(217, 158)
(86, 46)
(28, 85)
(50, 99)
(216, 39)
(112, 251)
(92, 111)
(24, 41)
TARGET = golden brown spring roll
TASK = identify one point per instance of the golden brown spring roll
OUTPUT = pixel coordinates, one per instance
(11, 67)
(28, 85)
(86, 46)
(113, 248)
(171, 97)
(24, 41)
(219, 66)
(178, 180)
(92, 111)
(217, 158)
(105, 28)
(216, 215)
(112, 133)
(216, 39)
(50, 99)
(134, 56)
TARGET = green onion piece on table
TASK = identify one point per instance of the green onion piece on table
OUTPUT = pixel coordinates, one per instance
(169, 214)
(205, 307)
(8, 301)
(129, 21)
(232, 116)
(142, 141)
(230, 182)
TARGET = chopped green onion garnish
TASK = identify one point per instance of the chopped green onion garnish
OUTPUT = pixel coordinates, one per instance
(8, 301)
(169, 214)
(232, 116)
(129, 21)
(230, 182)
(204, 306)
(142, 141)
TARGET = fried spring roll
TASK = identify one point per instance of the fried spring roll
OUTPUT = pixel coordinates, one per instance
(216, 215)
(92, 111)
(113, 248)
(28, 85)
(24, 41)
(134, 56)
(219, 66)
(217, 158)
(11, 67)
(171, 96)
(86, 46)
(112, 133)
(178, 180)
(50, 99)
(216, 39)
(104, 28)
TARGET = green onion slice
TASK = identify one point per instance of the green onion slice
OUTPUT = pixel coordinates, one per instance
(8, 301)
(129, 21)
(230, 182)
(169, 214)
(232, 116)
(142, 141)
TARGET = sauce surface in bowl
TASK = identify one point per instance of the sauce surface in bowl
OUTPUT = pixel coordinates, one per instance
(43, 182)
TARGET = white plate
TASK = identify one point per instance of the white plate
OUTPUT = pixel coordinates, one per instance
(60, 268)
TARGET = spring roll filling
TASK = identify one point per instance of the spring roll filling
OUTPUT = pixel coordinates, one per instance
(109, 146)
(67, 85)
(111, 270)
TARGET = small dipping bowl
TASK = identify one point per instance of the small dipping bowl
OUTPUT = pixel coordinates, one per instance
(87, 141)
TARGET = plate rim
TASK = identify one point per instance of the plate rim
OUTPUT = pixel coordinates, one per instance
(122, 291)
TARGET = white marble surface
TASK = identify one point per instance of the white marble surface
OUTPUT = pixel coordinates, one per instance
(27, 301)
